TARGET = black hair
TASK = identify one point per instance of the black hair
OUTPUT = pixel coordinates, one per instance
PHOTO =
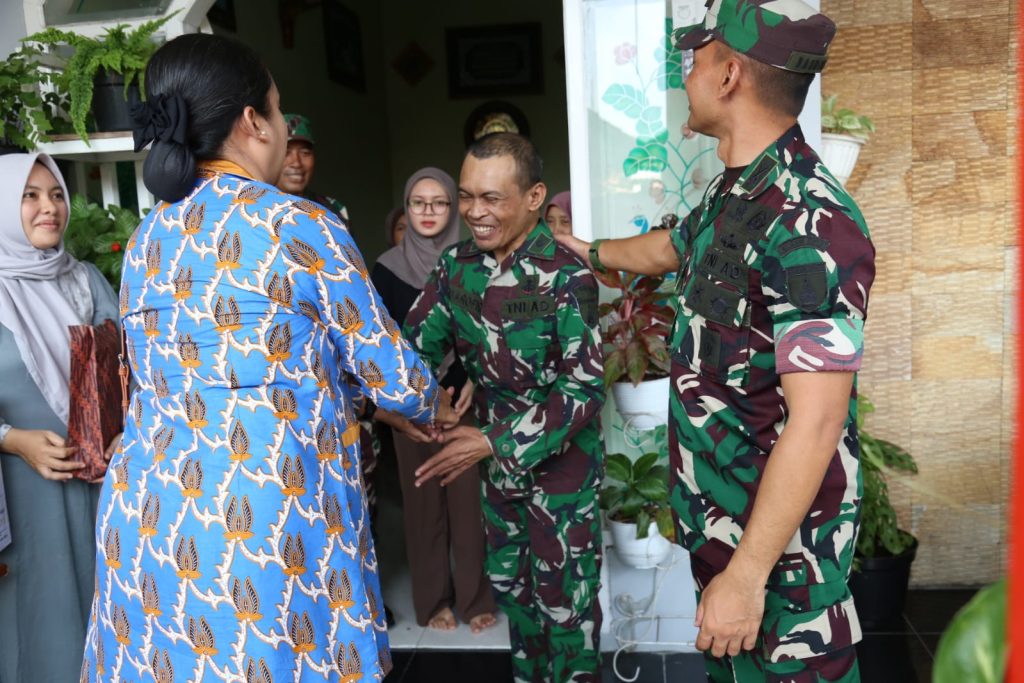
(217, 78)
(781, 90)
(529, 165)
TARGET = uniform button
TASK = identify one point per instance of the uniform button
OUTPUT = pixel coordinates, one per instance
(506, 448)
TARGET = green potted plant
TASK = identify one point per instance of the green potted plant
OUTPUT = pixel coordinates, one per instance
(111, 66)
(27, 114)
(843, 133)
(884, 552)
(635, 498)
(99, 235)
(637, 361)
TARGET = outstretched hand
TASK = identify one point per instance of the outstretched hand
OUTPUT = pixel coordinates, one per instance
(578, 246)
(463, 447)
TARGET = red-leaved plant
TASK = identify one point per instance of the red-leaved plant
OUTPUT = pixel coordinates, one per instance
(638, 323)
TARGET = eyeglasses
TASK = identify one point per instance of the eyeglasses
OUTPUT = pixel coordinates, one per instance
(419, 206)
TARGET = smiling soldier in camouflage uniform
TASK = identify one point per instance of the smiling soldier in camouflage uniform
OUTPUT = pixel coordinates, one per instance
(521, 313)
(774, 266)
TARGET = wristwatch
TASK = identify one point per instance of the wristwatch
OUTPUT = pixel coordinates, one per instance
(595, 260)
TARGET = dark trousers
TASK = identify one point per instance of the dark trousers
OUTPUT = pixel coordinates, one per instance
(443, 525)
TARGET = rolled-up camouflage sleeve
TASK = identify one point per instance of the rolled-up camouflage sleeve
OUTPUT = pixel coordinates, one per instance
(818, 270)
(524, 439)
(428, 325)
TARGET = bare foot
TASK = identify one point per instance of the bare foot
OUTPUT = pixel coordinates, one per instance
(482, 621)
(444, 620)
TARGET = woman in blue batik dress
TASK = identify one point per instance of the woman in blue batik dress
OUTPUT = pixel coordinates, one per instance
(233, 536)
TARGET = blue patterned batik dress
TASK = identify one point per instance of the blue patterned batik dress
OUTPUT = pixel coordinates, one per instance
(233, 539)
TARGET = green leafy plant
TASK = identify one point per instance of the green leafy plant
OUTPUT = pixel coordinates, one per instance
(844, 121)
(973, 646)
(99, 235)
(118, 51)
(641, 494)
(879, 530)
(638, 323)
(27, 113)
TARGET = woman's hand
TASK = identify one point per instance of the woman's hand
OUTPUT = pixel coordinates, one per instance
(465, 398)
(107, 455)
(44, 452)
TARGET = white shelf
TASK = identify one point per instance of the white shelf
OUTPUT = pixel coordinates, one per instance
(102, 147)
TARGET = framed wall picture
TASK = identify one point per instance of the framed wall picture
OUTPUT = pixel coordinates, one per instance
(486, 61)
(222, 14)
(344, 44)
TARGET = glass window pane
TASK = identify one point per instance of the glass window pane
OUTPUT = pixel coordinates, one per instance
(68, 11)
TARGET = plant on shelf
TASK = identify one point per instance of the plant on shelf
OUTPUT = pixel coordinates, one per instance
(118, 51)
(99, 235)
(844, 121)
(638, 322)
(27, 112)
(641, 495)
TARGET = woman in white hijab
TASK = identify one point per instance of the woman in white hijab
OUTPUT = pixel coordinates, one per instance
(45, 596)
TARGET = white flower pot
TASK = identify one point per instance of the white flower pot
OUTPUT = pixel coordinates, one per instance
(644, 406)
(642, 553)
(839, 154)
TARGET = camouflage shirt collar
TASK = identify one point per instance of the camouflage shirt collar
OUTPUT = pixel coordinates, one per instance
(769, 165)
(539, 243)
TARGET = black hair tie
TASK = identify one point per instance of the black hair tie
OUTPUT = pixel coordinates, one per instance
(162, 118)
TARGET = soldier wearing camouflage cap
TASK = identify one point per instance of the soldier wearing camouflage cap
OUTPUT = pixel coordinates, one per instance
(520, 311)
(297, 173)
(774, 269)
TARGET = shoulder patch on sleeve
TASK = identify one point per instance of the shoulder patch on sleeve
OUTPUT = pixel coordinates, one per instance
(807, 286)
(802, 242)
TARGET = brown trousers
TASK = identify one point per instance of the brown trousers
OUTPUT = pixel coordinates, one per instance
(443, 524)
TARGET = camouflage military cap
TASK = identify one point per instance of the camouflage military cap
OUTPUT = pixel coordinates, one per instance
(788, 34)
(299, 128)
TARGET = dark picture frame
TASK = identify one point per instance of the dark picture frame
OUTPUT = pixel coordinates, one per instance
(343, 41)
(504, 59)
(222, 14)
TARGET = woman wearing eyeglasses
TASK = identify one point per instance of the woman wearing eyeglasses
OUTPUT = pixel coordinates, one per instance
(440, 522)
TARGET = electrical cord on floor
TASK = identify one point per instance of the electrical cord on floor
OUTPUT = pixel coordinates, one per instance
(632, 611)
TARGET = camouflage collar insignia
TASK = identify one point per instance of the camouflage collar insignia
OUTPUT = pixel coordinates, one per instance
(766, 169)
(467, 249)
(541, 243)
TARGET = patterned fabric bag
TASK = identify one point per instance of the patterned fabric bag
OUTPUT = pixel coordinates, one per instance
(95, 415)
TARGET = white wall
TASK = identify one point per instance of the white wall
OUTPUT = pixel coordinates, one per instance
(12, 26)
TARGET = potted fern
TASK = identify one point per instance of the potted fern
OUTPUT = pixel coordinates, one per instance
(637, 509)
(27, 115)
(843, 133)
(637, 360)
(884, 552)
(113, 67)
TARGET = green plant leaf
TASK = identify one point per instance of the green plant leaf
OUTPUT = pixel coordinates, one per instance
(643, 522)
(666, 525)
(626, 98)
(973, 647)
(619, 468)
(611, 497)
(653, 487)
(643, 465)
(614, 367)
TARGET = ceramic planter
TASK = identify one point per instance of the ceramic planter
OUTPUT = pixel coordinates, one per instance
(644, 406)
(839, 154)
(642, 553)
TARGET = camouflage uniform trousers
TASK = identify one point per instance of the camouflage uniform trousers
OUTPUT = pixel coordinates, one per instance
(544, 562)
(783, 620)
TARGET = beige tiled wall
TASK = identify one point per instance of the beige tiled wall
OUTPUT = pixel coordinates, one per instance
(937, 186)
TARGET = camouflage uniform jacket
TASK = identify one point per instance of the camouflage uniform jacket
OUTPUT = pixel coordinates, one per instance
(526, 332)
(774, 279)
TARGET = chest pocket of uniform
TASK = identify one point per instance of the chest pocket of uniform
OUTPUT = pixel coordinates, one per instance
(531, 347)
(716, 341)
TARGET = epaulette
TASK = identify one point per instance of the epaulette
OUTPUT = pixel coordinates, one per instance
(467, 249)
(542, 246)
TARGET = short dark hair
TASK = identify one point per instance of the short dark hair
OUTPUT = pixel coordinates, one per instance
(217, 78)
(529, 165)
(781, 90)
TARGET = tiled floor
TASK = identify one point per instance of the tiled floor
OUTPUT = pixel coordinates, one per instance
(900, 654)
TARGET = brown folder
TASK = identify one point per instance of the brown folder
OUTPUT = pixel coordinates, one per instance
(95, 415)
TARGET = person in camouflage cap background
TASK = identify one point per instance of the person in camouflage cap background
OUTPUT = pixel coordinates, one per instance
(521, 313)
(299, 162)
(774, 269)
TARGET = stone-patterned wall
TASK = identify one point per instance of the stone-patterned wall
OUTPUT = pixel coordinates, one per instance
(937, 186)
